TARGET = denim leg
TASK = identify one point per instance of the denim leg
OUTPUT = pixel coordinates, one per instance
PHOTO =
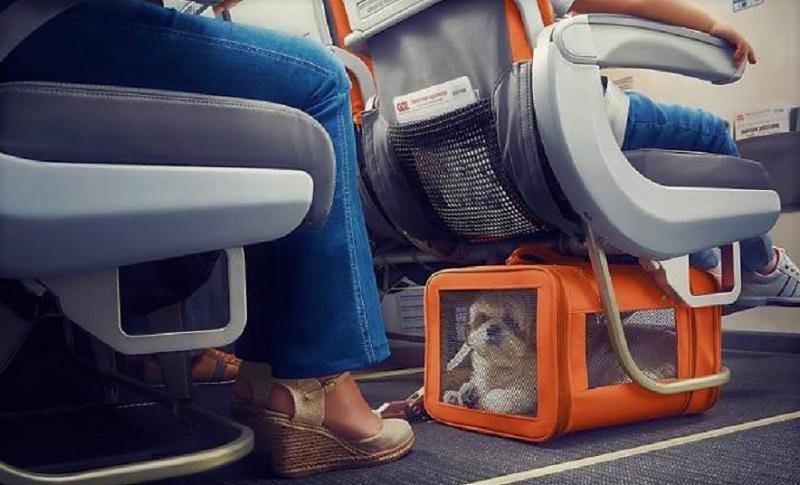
(705, 260)
(673, 127)
(312, 302)
(757, 252)
(324, 317)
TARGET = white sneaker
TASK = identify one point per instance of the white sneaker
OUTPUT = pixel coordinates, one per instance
(781, 287)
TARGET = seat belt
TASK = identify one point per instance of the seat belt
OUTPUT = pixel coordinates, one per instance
(23, 17)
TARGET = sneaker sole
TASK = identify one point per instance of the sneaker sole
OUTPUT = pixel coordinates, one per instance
(768, 301)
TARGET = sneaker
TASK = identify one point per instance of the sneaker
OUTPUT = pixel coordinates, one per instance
(781, 287)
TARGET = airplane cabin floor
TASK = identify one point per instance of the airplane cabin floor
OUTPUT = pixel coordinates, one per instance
(764, 385)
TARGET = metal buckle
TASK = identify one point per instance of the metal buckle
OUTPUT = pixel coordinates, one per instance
(412, 409)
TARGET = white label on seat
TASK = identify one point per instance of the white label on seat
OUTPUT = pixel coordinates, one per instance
(367, 8)
(435, 100)
(764, 122)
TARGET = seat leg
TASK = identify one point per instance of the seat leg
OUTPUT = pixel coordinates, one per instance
(105, 360)
(175, 366)
(13, 331)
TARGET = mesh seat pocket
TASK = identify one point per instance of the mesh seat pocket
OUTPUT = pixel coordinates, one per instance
(454, 162)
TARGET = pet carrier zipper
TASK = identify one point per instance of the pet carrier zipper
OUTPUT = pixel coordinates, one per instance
(562, 323)
(692, 333)
(692, 355)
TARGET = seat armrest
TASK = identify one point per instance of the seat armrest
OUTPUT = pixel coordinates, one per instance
(359, 70)
(625, 208)
(623, 41)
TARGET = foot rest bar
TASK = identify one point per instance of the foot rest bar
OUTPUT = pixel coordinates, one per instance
(620, 343)
(147, 471)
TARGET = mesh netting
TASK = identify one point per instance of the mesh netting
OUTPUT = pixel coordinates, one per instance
(488, 350)
(652, 340)
(454, 161)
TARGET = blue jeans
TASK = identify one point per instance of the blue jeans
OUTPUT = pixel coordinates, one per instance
(312, 298)
(672, 127)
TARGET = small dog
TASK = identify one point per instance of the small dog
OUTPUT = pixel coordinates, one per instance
(653, 346)
(502, 341)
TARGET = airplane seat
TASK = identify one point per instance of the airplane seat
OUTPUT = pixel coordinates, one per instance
(359, 68)
(524, 143)
(780, 155)
(94, 178)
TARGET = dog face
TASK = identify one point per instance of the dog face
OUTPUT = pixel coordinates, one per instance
(501, 328)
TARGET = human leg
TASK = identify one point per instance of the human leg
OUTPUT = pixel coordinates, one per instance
(652, 124)
(769, 276)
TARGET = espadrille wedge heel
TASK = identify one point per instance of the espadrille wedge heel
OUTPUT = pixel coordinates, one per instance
(301, 445)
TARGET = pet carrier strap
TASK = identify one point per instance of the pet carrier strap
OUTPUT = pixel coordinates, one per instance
(412, 409)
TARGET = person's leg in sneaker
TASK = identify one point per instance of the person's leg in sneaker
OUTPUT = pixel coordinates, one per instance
(768, 275)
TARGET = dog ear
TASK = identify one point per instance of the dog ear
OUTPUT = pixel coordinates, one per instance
(525, 318)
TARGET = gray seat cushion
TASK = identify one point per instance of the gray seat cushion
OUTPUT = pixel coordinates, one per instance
(693, 169)
(103, 124)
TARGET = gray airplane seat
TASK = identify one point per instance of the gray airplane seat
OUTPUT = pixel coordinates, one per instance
(474, 136)
(98, 178)
(780, 155)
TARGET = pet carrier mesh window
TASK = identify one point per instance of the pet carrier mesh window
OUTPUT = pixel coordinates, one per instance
(454, 161)
(488, 349)
(652, 339)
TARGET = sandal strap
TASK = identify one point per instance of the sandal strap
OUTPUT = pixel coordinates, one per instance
(309, 397)
(259, 376)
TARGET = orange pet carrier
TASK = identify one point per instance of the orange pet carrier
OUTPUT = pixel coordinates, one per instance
(523, 351)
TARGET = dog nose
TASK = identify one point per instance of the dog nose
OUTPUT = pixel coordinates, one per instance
(493, 334)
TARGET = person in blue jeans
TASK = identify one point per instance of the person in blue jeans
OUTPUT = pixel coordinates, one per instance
(312, 297)
(769, 277)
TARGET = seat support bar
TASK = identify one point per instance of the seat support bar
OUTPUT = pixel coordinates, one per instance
(92, 301)
(146, 471)
(619, 342)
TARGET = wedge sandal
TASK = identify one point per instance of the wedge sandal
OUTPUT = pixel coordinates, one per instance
(301, 445)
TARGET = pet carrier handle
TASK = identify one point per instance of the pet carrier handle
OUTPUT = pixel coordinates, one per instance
(524, 253)
(617, 332)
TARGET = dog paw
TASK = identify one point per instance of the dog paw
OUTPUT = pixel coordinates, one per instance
(452, 397)
(468, 393)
